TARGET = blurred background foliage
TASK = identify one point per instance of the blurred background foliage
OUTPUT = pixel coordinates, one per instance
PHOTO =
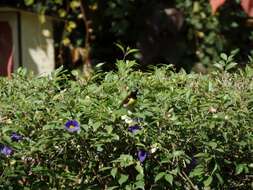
(89, 30)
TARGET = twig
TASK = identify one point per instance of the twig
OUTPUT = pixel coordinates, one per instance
(189, 180)
(87, 27)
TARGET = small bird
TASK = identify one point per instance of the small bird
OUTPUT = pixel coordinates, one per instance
(130, 99)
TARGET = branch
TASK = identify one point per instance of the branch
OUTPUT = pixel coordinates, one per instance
(87, 28)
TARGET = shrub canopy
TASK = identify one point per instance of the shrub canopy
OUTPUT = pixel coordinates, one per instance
(127, 130)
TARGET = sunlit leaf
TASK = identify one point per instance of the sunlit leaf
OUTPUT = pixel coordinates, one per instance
(62, 13)
(29, 2)
(159, 176)
(114, 172)
(239, 168)
(169, 178)
(208, 181)
(123, 178)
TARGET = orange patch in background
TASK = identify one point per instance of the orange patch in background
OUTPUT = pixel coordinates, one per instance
(247, 6)
(6, 49)
(215, 4)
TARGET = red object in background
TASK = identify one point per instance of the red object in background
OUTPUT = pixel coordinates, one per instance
(6, 49)
(247, 6)
(215, 4)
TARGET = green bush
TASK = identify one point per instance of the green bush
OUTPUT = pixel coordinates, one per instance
(181, 132)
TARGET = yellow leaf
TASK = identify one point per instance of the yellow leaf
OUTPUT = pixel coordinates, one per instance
(62, 13)
(42, 18)
(93, 7)
(66, 41)
(71, 25)
(75, 4)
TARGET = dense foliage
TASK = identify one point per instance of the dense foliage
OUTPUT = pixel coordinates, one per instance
(127, 130)
(217, 33)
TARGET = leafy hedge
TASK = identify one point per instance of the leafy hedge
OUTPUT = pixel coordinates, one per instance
(182, 132)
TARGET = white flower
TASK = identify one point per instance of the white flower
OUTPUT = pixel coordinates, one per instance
(154, 148)
(127, 119)
(212, 110)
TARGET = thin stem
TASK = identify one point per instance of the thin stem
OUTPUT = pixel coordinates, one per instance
(189, 180)
(87, 27)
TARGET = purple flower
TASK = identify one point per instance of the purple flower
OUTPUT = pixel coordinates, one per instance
(16, 137)
(192, 164)
(142, 155)
(134, 128)
(6, 150)
(72, 126)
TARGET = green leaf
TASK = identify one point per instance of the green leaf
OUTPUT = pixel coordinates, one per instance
(75, 73)
(212, 144)
(231, 66)
(219, 178)
(58, 1)
(219, 66)
(29, 2)
(112, 188)
(215, 168)
(139, 185)
(175, 171)
(114, 172)
(201, 155)
(96, 126)
(210, 86)
(109, 129)
(178, 153)
(208, 181)
(239, 168)
(234, 52)
(74, 4)
(128, 187)
(169, 178)
(139, 177)
(120, 47)
(62, 13)
(104, 168)
(125, 160)
(224, 56)
(70, 26)
(197, 172)
(159, 176)
(123, 178)
(131, 51)
(139, 168)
